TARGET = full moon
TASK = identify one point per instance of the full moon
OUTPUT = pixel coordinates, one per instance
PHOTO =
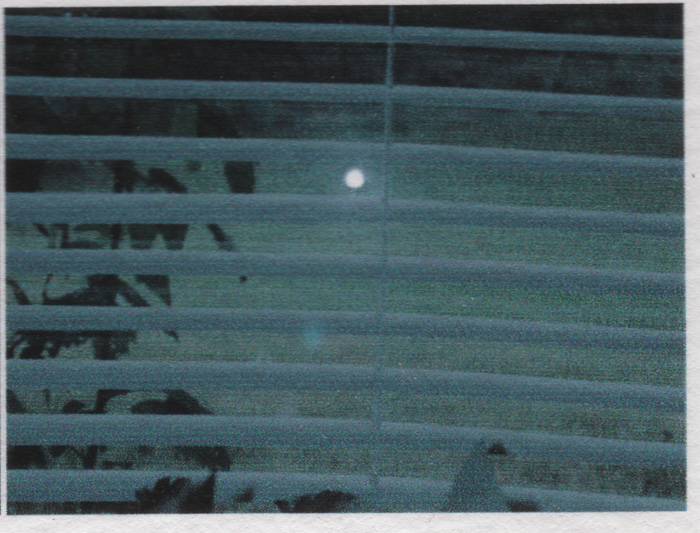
(354, 178)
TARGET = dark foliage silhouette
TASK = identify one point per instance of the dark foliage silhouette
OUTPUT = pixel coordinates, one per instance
(22, 456)
(179, 402)
(522, 506)
(180, 495)
(108, 290)
(326, 501)
(101, 290)
(245, 496)
(497, 448)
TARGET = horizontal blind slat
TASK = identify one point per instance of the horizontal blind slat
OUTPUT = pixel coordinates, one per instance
(649, 108)
(78, 318)
(106, 28)
(342, 266)
(209, 430)
(472, 159)
(147, 375)
(394, 493)
(158, 208)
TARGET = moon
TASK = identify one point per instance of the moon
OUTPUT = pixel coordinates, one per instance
(354, 178)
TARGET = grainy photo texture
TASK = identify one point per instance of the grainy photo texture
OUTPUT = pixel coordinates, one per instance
(345, 259)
